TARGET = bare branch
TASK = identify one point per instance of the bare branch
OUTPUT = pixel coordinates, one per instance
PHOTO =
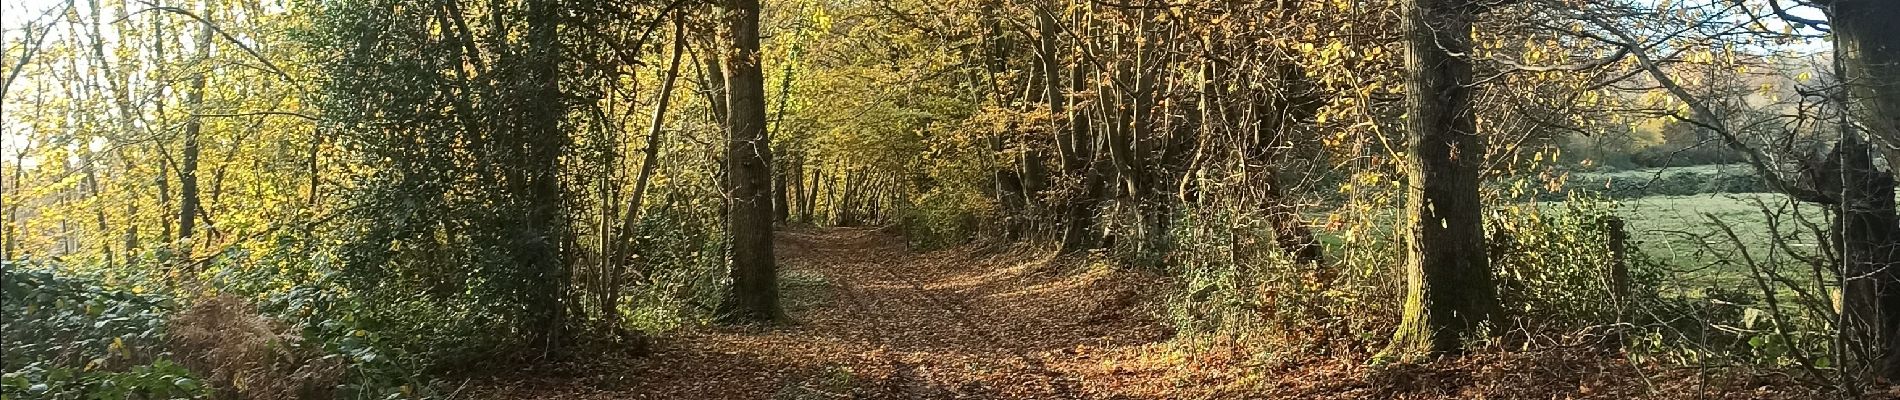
(1810, 23)
(227, 37)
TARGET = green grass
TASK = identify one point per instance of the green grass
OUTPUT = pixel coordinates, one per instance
(1681, 232)
(1678, 233)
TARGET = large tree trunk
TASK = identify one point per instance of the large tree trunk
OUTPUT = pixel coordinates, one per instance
(748, 164)
(1449, 295)
(1867, 40)
(1868, 46)
(1865, 233)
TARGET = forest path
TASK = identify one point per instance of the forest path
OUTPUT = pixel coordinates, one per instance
(872, 319)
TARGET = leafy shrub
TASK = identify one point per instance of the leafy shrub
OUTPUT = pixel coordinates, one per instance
(279, 317)
(939, 219)
(1235, 282)
(1554, 264)
(72, 338)
(682, 271)
(374, 337)
(1728, 326)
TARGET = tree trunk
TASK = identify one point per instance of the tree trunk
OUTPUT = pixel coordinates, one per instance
(748, 164)
(1011, 193)
(796, 194)
(817, 184)
(1449, 294)
(831, 198)
(781, 196)
(1868, 46)
(537, 141)
(1867, 40)
(1078, 216)
(649, 162)
(1078, 233)
(188, 199)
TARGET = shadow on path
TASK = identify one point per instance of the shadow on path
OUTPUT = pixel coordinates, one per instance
(875, 320)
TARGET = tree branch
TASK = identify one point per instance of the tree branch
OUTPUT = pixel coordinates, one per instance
(1818, 25)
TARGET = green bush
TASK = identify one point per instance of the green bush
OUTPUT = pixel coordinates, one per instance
(681, 258)
(1554, 265)
(1234, 281)
(72, 338)
(940, 219)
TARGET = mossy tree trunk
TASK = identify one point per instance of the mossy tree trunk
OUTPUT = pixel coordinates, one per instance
(1449, 294)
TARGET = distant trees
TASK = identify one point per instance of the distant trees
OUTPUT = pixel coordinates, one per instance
(164, 112)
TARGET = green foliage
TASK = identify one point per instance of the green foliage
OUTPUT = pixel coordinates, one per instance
(161, 379)
(379, 339)
(940, 219)
(72, 338)
(1236, 282)
(682, 269)
(456, 232)
(1554, 264)
(1730, 325)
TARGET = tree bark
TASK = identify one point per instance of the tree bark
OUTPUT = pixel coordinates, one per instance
(649, 162)
(1868, 45)
(538, 142)
(1449, 294)
(1078, 216)
(1867, 40)
(188, 197)
(748, 163)
(810, 198)
(781, 195)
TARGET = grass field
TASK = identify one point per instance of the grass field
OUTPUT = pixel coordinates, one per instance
(1672, 215)
(1681, 232)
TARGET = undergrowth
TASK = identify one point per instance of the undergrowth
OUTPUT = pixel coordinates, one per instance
(72, 338)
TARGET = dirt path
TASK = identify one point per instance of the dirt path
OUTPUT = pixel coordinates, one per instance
(875, 320)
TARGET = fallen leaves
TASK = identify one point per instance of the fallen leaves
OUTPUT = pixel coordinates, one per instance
(970, 323)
